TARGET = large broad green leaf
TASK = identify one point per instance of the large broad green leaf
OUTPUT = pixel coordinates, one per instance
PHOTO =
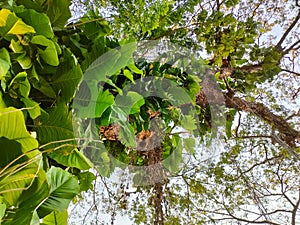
(30, 200)
(189, 145)
(4, 63)
(90, 102)
(10, 152)
(87, 97)
(110, 62)
(48, 52)
(67, 77)
(130, 102)
(56, 218)
(59, 12)
(74, 159)
(17, 170)
(11, 24)
(12, 126)
(63, 188)
(39, 21)
(126, 51)
(103, 66)
(29, 4)
(21, 178)
(57, 127)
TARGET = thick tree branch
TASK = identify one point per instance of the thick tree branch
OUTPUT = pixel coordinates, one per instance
(211, 94)
(289, 135)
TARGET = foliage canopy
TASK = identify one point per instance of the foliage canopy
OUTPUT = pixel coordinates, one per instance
(75, 95)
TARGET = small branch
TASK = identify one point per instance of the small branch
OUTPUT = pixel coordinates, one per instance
(252, 136)
(292, 47)
(238, 125)
(286, 33)
(289, 71)
(85, 22)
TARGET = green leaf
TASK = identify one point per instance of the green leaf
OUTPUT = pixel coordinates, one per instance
(105, 99)
(130, 102)
(189, 145)
(94, 29)
(11, 150)
(11, 24)
(67, 77)
(59, 12)
(74, 159)
(23, 59)
(103, 66)
(110, 62)
(35, 219)
(4, 63)
(188, 122)
(2, 103)
(2, 208)
(41, 84)
(31, 199)
(127, 136)
(172, 163)
(16, 140)
(39, 21)
(32, 107)
(86, 181)
(63, 188)
(91, 106)
(13, 127)
(21, 28)
(49, 54)
(134, 69)
(4, 55)
(129, 75)
(56, 218)
(19, 85)
(57, 127)
(17, 171)
(4, 67)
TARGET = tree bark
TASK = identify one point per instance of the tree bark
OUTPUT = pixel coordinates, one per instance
(288, 134)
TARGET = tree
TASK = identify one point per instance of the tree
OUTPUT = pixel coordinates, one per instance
(69, 83)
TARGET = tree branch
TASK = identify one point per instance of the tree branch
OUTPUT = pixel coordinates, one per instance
(292, 47)
(289, 71)
(286, 33)
(288, 133)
